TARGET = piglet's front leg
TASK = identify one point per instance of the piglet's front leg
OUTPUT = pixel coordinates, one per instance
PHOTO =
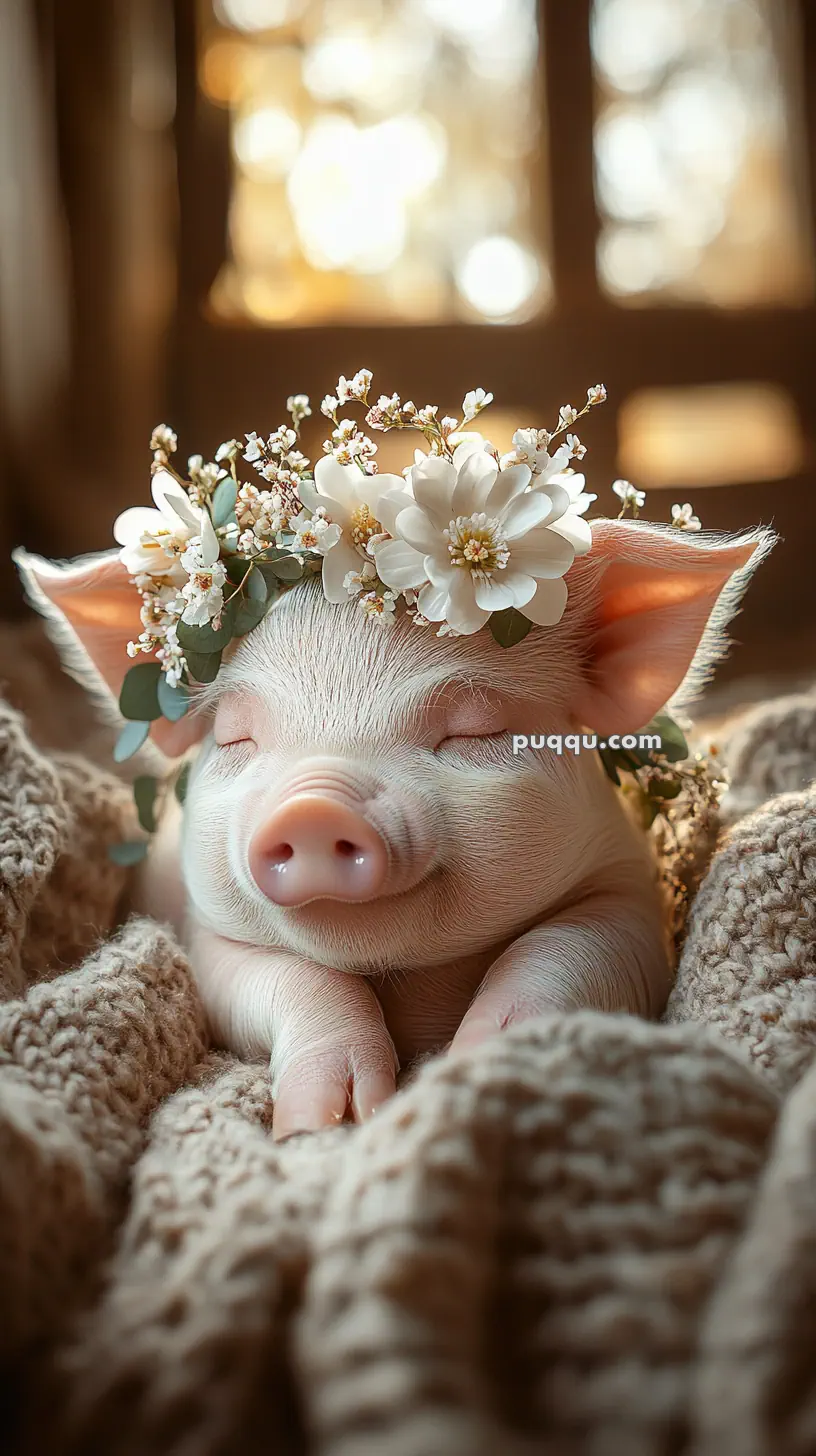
(607, 952)
(323, 1030)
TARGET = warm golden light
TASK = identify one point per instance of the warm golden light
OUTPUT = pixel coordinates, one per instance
(721, 434)
(693, 154)
(383, 159)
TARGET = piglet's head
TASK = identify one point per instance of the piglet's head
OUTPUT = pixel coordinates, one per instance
(356, 797)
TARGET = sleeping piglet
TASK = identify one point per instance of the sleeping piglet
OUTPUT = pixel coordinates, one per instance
(364, 869)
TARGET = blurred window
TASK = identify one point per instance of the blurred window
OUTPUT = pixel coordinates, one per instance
(695, 159)
(741, 432)
(386, 159)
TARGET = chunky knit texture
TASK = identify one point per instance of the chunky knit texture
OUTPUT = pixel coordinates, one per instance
(593, 1237)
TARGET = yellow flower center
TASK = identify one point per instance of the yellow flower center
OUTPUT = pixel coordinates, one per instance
(364, 525)
(476, 543)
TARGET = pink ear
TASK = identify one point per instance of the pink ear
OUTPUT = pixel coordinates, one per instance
(92, 607)
(659, 599)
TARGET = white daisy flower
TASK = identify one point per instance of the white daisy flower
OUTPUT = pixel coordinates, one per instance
(476, 540)
(152, 540)
(359, 505)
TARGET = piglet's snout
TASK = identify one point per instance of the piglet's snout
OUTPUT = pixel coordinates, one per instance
(315, 847)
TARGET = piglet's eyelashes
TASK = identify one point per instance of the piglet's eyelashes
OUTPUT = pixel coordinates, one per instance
(455, 741)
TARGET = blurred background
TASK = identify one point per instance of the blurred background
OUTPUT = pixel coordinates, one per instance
(206, 205)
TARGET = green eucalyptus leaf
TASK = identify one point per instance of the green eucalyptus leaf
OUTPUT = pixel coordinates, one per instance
(129, 853)
(144, 792)
(255, 586)
(173, 701)
(236, 568)
(249, 614)
(180, 785)
(208, 639)
(138, 699)
(673, 742)
(203, 666)
(509, 626)
(223, 501)
(130, 740)
(286, 568)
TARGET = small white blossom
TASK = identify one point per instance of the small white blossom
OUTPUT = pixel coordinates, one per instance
(203, 592)
(448, 424)
(297, 405)
(360, 384)
(359, 581)
(596, 394)
(255, 448)
(385, 412)
(474, 401)
(427, 415)
(577, 449)
(567, 415)
(628, 494)
(203, 477)
(228, 450)
(314, 533)
(206, 576)
(164, 439)
(380, 608)
(281, 441)
(684, 519)
(329, 406)
(171, 656)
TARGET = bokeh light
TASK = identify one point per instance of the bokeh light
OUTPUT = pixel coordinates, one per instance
(387, 158)
(695, 178)
(498, 277)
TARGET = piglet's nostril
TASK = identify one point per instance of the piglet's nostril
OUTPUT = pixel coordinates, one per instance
(314, 847)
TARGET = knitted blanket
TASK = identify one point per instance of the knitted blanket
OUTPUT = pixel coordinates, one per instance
(594, 1235)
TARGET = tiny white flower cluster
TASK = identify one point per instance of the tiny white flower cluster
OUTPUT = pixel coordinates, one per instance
(460, 536)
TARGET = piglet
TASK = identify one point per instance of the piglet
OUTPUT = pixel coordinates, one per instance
(364, 870)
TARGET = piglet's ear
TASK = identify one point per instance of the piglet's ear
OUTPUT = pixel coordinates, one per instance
(659, 600)
(92, 610)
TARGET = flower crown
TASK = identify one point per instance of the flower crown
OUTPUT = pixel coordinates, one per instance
(463, 539)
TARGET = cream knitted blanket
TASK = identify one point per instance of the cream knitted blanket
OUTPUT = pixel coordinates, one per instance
(595, 1236)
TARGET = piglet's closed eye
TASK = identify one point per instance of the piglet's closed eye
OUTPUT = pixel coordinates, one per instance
(658, 601)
